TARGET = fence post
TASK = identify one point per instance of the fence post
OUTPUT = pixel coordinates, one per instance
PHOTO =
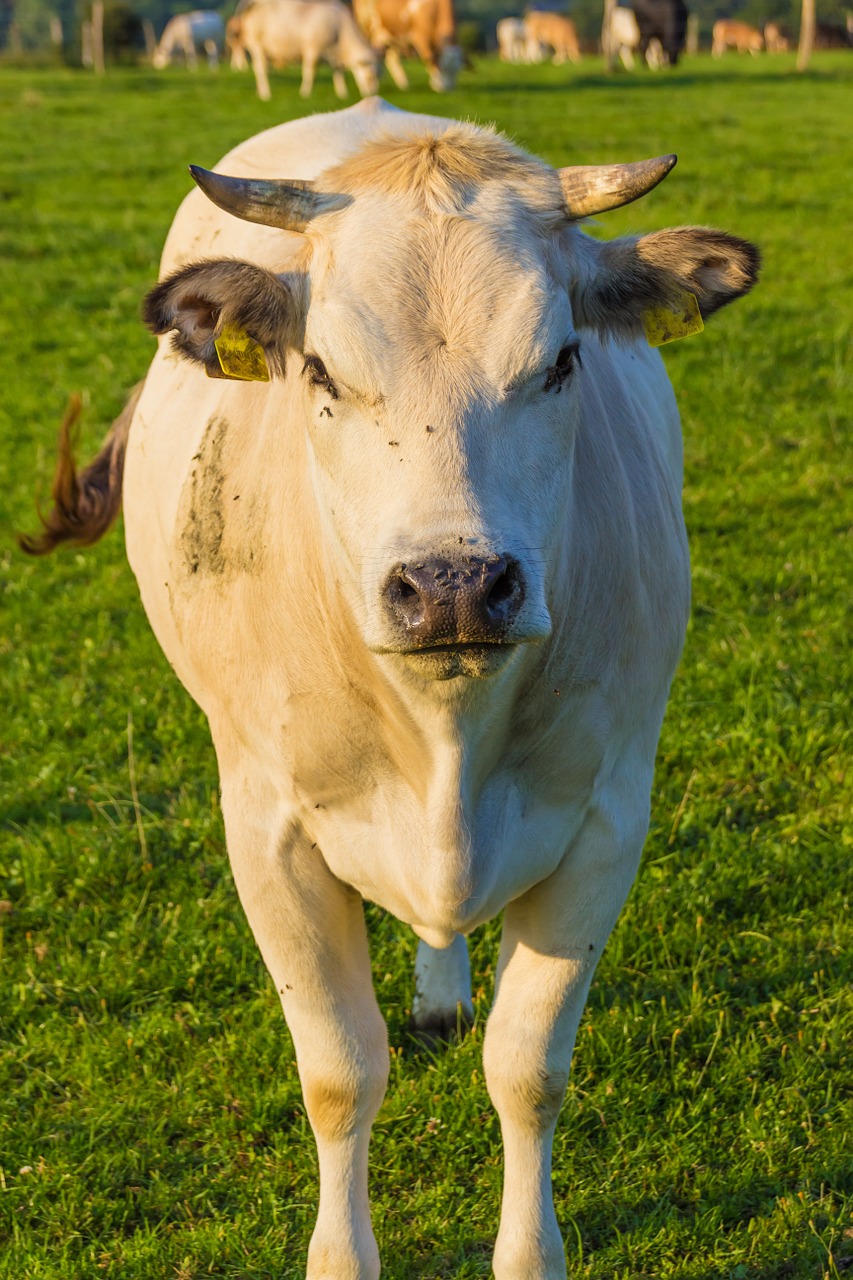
(807, 34)
(606, 37)
(98, 37)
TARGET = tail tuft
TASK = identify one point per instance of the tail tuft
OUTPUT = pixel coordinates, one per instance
(85, 504)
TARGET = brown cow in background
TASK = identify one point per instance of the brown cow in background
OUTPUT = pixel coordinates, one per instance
(553, 31)
(427, 28)
(730, 34)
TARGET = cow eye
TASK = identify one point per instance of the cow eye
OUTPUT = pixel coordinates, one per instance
(568, 359)
(318, 375)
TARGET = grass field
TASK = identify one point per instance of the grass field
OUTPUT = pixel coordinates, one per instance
(151, 1123)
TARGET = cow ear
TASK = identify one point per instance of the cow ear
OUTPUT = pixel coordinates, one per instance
(624, 279)
(203, 301)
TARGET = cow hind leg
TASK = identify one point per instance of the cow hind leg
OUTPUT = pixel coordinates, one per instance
(442, 1007)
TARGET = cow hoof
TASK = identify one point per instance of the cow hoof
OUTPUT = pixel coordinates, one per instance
(442, 1027)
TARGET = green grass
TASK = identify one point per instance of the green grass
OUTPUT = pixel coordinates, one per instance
(152, 1124)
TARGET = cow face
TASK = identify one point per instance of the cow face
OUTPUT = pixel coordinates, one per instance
(437, 362)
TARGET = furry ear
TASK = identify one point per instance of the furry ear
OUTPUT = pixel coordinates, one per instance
(198, 301)
(624, 278)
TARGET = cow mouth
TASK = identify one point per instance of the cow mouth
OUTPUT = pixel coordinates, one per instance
(458, 646)
(475, 659)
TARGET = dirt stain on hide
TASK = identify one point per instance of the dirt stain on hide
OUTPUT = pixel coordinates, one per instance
(219, 536)
(204, 527)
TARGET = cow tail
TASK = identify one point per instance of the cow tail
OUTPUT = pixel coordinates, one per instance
(85, 503)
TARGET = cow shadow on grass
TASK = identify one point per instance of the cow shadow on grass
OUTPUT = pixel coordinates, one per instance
(593, 1233)
(741, 1206)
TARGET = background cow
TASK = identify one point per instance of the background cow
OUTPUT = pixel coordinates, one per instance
(188, 34)
(730, 34)
(512, 40)
(416, 548)
(310, 31)
(425, 28)
(777, 37)
(553, 31)
(664, 21)
(620, 37)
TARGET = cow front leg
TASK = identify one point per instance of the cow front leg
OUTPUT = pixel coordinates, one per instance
(311, 932)
(339, 82)
(396, 71)
(552, 939)
(309, 66)
(442, 1006)
(259, 66)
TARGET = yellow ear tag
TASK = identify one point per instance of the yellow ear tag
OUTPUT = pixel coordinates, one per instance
(668, 324)
(240, 356)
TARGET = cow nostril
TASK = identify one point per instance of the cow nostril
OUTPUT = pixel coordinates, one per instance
(505, 590)
(502, 590)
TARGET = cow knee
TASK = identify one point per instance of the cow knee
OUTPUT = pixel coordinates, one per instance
(525, 1088)
(341, 1102)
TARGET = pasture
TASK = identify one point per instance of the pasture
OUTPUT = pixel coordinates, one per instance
(151, 1122)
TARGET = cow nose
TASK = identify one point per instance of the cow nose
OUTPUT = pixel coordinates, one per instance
(470, 600)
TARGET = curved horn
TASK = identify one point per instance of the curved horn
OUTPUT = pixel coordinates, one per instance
(273, 202)
(595, 188)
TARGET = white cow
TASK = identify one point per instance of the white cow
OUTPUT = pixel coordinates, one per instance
(514, 45)
(187, 34)
(306, 31)
(620, 37)
(512, 40)
(429, 584)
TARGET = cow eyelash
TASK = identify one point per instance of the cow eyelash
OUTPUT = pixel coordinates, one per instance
(318, 375)
(568, 358)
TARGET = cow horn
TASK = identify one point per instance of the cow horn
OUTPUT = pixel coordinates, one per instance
(273, 202)
(595, 188)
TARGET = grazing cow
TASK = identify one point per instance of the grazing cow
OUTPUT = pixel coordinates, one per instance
(188, 34)
(425, 28)
(777, 37)
(620, 37)
(730, 34)
(664, 21)
(512, 41)
(310, 31)
(429, 582)
(553, 31)
(234, 45)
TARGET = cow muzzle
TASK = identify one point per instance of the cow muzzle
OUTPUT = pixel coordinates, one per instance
(455, 616)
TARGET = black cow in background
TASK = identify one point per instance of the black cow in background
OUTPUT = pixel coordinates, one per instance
(664, 20)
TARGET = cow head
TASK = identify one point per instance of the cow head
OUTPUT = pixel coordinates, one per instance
(434, 341)
(365, 72)
(443, 76)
